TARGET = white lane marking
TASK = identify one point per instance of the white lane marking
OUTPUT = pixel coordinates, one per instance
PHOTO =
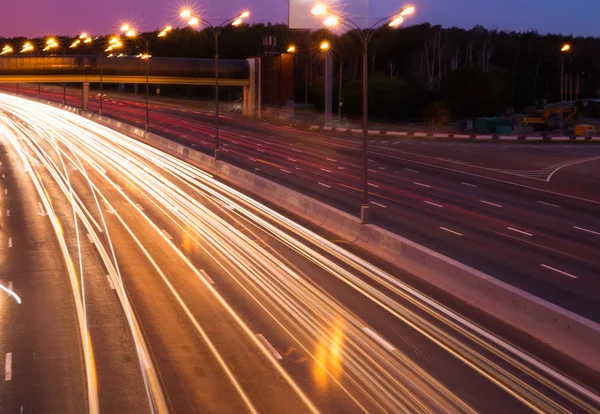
(520, 231)
(10, 285)
(42, 211)
(559, 271)
(489, 178)
(90, 238)
(5, 191)
(568, 164)
(285, 171)
(110, 283)
(377, 204)
(8, 367)
(408, 169)
(298, 168)
(10, 242)
(587, 230)
(267, 345)
(140, 207)
(451, 231)
(3, 176)
(379, 339)
(289, 159)
(10, 291)
(167, 235)
(371, 160)
(326, 170)
(325, 185)
(490, 204)
(206, 277)
(373, 171)
(331, 159)
(259, 150)
(421, 184)
(548, 204)
(109, 209)
(7, 213)
(257, 169)
(252, 159)
(434, 204)
(373, 185)
(341, 168)
(469, 185)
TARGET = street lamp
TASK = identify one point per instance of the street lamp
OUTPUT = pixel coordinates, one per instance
(7, 49)
(564, 49)
(331, 19)
(216, 30)
(51, 43)
(133, 34)
(27, 47)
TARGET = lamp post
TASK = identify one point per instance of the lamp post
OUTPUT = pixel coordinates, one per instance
(194, 21)
(82, 38)
(332, 19)
(133, 34)
(564, 49)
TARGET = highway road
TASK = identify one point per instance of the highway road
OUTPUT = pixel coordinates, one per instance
(149, 286)
(525, 214)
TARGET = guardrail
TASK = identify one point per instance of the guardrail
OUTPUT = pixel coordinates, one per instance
(478, 137)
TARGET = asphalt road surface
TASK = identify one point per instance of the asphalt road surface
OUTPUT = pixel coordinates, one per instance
(525, 214)
(134, 282)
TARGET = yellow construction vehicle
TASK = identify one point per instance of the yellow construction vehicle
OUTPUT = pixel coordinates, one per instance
(542, 119)
(584, 130)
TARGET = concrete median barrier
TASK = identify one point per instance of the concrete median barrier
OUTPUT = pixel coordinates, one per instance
(568, 333)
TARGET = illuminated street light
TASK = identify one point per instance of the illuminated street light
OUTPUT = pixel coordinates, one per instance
(195, 21)
(565, 48)
(6, 50)
(51, 43)
(397, 21)
(407, 10)
(165, 31)
(27, 47)
(332, 18)
(291, 49)
(324, 45)
(331, 21)
(319, 10)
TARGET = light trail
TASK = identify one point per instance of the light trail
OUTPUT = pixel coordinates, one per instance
(203, 208)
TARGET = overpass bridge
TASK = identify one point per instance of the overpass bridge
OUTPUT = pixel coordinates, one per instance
(129, 69)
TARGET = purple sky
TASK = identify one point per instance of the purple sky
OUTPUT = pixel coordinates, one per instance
(43, 17)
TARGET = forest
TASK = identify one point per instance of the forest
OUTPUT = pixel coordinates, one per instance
(415, 72)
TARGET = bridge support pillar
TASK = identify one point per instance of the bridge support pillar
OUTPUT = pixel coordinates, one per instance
(250, 97)
(85, 96)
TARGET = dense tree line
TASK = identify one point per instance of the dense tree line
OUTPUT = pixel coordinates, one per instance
(415, 72)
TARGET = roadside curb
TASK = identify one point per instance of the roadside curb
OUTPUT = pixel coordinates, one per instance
(470, 137)
(564, 331)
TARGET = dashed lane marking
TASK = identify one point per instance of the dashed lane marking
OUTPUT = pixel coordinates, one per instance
(490, 204)
(519, 231)
(559, 271)
(451, 231)
(268, 345)
(434, 204)
(587, 230)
